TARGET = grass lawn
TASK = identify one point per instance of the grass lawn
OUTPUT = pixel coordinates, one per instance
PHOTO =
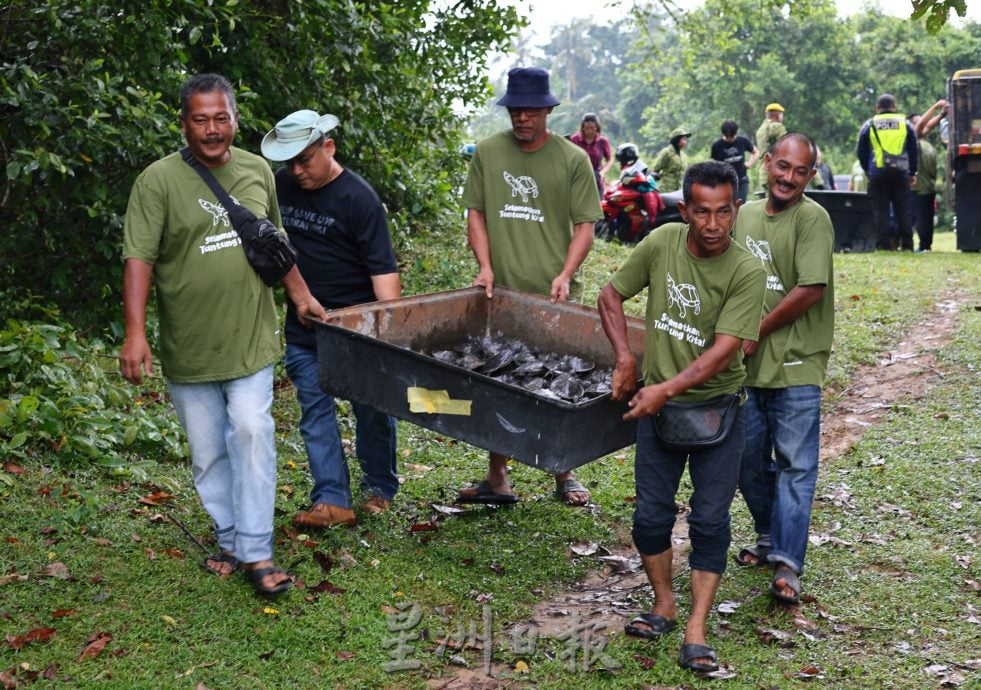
(99, 584)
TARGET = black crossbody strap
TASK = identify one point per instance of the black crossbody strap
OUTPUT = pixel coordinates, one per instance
(238, 214)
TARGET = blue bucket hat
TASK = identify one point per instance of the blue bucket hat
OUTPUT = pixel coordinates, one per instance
(528, 88)
(294, 133)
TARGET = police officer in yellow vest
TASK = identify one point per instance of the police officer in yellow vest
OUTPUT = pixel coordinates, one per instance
(888, 154)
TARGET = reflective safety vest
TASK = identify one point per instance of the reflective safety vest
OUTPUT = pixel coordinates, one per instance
(887, 133)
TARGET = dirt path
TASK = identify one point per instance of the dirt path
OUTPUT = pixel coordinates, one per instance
(619, 588)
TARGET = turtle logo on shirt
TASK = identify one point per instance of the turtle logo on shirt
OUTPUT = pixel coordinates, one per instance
(759, 249)
(217, 211)
(524, 186)
(684, 297)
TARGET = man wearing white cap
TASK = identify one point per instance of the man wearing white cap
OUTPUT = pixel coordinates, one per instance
(340, 230)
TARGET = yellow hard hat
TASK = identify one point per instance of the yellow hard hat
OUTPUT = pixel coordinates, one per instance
(774, 106)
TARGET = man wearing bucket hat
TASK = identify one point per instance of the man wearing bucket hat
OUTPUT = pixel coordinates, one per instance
(532, 202)
(339, 228)
(767, 135)
(672, 161)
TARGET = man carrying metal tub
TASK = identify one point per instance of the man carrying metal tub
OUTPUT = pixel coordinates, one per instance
(705, 296)
(532, 202)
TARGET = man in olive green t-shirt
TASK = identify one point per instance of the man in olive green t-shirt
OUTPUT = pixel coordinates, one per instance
(793, 237)
(532, 201)
(704, 294)
(924, 190)
(219, 332)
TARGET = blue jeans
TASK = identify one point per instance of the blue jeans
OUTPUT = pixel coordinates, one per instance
(714, 474)
(780, 466)
(230, 431)
(375, 438)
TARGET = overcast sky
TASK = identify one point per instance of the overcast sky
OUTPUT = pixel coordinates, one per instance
(546, 13)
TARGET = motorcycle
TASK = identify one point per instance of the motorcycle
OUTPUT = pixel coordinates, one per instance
(630, 205)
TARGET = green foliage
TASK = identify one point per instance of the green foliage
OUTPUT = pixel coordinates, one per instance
(89, 96)
(58, 403)
(937, 12)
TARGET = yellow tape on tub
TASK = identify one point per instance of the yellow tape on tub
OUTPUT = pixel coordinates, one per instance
(425, 401)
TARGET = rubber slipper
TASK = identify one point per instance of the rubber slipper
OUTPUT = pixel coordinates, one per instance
(571, 486)
(221, 557)
(656, 626)
(690, 652)
(758, 552)
(483, 493)
(255, 576)
(783, 572)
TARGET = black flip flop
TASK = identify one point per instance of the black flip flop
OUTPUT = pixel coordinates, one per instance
(255, 575)
(758, 552)
(785, 573)
(486, 495)
(657, 626)
(221, 557)
(690, 652)
(571, 486)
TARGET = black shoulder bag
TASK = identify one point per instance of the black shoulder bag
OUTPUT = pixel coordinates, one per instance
(691, 426)
(268, 250)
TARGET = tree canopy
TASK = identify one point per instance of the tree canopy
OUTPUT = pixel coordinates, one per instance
(89, 96)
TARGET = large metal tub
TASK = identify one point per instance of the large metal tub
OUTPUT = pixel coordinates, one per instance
(371, 354)
(851, 216)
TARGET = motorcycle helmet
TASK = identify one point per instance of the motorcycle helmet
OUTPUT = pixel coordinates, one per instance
(627, 154)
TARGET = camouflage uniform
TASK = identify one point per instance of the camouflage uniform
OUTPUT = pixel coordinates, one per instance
(671, 165)
(766, 137)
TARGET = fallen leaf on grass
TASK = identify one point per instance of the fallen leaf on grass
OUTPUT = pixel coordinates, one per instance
(206, 664)
(586, 548)
(61, 613)
(36, 635)
(773, 636)
(497, 568)
(13, 577)
(343, 656)
(484, 598)
(447, 510)
(727, 608)
(644, 661)
(325, 586)
(155, 498)
(725, 672)
(57, 569)
(424, 527)
(11, 468)
(323, 560)
(173, 553)
(94, 646)
(416, 468)
(521, 667)
(169, 620)
(809, 673)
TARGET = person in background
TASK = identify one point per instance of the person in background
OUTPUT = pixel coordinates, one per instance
(531, 202)
(732, 149)
(858, 182)
(672, 161)
(591, 140)
(887, 150)
(825, 179)
(767, 135)
(219, 330)
(691, 356)
(925, 188)
(344, 251)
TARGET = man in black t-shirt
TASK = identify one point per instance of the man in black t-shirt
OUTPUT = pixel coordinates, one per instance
(732, 149)
(339, 228)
